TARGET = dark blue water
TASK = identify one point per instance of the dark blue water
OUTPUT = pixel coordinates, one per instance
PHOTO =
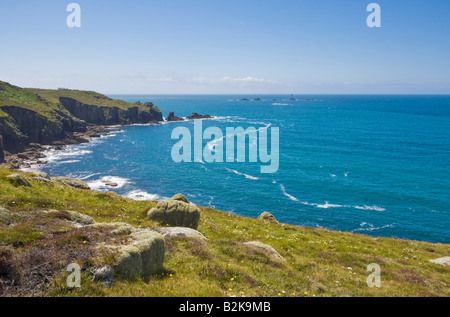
(377, 165)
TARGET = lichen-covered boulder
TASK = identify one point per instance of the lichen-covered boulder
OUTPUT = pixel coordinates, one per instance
(80, 218)
(445, 261)
(176, 212)
(180, 232)
(180, 197)
(141, 257)
(70, 182)
(269, 250)
(128, 262)
(152, 250)
(42, 180)
(19, 180)
(37, 173)
(267, 216)
(117, 228)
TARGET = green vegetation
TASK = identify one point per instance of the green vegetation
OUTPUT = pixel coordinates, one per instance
(85, 97)
(318, 262)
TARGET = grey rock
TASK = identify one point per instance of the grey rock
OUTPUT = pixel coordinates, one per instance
(176, 212)
(180, 197)
(70, 182)
(180, 232)
(42, 180)
(80, 218)
(105, 275)
(19, 180)
(141, 257)
(445, 261)
(267, 248)
(267, 216)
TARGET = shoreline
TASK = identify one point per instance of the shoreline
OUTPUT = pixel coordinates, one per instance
(33, 154)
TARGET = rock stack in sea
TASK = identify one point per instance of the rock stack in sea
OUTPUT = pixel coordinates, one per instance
(171, 117)
(195, 115)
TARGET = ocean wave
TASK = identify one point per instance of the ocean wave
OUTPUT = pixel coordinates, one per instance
(375, 208)
(143, 196)
(327, 205)
(108, 182)
(370, 227)
(212, 144)
(242, 174)
(285, 193)
(280, 104)
(53, 155)
(88, 176)
(69, 162)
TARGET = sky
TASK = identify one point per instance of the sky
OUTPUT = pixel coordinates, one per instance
(228, 46)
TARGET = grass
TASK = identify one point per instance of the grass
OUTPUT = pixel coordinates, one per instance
(15, 96)
(86, 97)
(318, 262)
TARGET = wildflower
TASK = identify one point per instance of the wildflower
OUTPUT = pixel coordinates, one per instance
(306, 293)
(232, 279)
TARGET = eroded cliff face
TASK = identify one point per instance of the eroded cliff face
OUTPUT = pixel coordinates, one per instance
(111, 115)
(27, 126)
(2, 154)
(45, 116)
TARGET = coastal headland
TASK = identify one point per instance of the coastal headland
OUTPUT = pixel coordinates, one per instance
(125, 247)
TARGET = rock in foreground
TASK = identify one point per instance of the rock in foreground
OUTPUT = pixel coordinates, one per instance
(180, 232)
(142, 257)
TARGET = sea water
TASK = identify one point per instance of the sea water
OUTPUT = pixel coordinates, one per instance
(376, 165)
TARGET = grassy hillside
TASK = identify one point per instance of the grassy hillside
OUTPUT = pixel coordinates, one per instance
(318, 262)
(15, 96)
(86, 97)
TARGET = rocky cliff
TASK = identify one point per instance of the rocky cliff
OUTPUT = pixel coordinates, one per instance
(2, 154)
(45, 116)
(111, 115)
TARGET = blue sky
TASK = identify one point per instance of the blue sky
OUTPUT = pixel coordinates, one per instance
(227, 46)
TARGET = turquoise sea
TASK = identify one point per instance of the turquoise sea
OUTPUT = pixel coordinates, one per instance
(375, 165)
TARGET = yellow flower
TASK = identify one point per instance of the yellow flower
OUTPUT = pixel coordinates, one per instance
(230, 289)
(232, 279)
(306, 293)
